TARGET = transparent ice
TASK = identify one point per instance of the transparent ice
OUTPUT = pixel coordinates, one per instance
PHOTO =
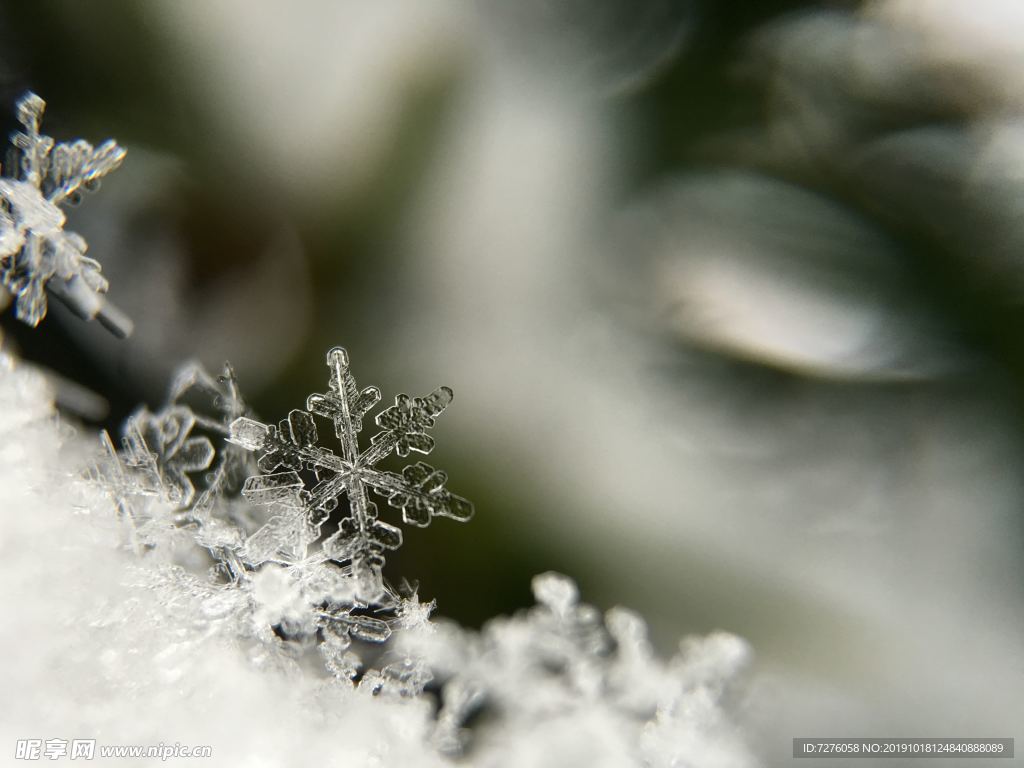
(36, 253)
(292, 447)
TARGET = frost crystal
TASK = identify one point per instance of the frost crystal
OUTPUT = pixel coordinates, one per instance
(36, 252)
(551, 673)
(292, 447)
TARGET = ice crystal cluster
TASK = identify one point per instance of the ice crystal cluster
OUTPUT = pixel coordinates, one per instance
(218, 578)
(36, 253)
(266, 492)
(222, 518)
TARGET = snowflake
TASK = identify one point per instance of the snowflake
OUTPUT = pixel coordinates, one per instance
(223, 404)
(152, 479)
(162, 446)
(36, 252)
(297, 599)
(290, 448)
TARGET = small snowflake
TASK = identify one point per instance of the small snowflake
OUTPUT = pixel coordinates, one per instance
(36, 252)
(292, 447)
(148, 479)
(153, 479)
(163, 446)
(214, 403)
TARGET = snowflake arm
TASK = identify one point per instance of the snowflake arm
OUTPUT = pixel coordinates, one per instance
(344, 404)
(285, 450)
(420, 493)
(36, 253)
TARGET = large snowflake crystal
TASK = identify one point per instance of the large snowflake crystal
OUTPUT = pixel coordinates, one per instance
(292, 448)
(36, 253)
